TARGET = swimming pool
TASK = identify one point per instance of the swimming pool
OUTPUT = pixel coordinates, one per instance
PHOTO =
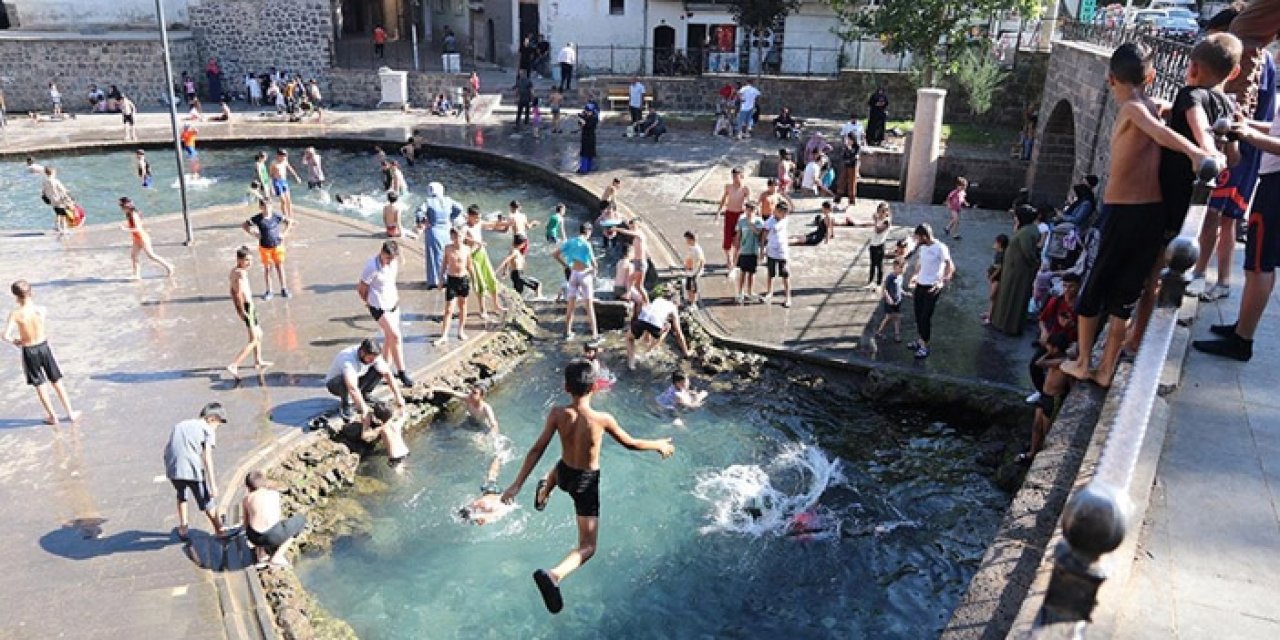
(902, 511)
(98, 179)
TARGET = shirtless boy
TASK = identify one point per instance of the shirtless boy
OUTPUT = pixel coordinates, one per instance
(264, 523)
(515, 264)
(279, 172)
(382, 422)
(25, 330)
(581, 430)
(519, 223)
(242, 298)
(459, 271)
(732, 204)
(1133, 233)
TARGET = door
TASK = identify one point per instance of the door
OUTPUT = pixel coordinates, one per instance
(664, 50)
(697, 47)
(528, 20)
(490, 45)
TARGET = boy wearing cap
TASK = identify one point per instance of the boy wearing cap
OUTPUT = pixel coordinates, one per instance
(188, 463)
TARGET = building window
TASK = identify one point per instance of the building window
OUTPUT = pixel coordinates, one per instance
(617, 7)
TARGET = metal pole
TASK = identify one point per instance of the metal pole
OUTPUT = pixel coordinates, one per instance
(808, 65)
(413, 34)
(173, 122)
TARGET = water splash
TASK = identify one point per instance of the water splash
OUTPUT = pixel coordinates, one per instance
(196, 182)
(778, 499)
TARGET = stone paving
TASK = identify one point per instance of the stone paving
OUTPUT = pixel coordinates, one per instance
(1208, 560)
(89, 519)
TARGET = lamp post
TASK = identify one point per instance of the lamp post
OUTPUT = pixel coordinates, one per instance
(173, 121)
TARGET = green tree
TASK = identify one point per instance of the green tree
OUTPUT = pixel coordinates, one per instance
(926, 29)
(755, 16)
(980, 76)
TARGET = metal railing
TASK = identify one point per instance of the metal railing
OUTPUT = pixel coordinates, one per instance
(1169, 57)
(785, 61)
(1096, 520)
(359, 53)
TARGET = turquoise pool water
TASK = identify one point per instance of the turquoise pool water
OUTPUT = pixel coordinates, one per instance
(98, 179)
(904, 517)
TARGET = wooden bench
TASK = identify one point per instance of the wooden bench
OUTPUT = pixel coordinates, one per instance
(621, 93)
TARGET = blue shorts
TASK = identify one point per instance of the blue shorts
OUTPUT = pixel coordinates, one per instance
(1262, 243)
(279, 186)
(190, 152)
(1238, 183)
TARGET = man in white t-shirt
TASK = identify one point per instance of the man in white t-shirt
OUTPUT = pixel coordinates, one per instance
(747, 97)
(566, 58)
(356, 372)
(635, 99)
(933, 271)
(854, 127)
(776, 251)
(377, 288)
(655, 320)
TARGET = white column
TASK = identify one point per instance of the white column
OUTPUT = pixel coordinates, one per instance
(926, 144)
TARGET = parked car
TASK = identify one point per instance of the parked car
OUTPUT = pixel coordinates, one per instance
(1148, 20)
(1211, 9)
(1179, 24)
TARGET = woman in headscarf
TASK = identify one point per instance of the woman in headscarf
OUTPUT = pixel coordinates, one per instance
(434, 218)
(589, 119)
(1018, 274)
(214, 74)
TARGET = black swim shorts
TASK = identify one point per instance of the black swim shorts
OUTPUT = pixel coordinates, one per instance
(640, 327)
(777, 268)
(748, 262)
(1132, 238)
(39, 366)
(199, 492)
(278, 534)
(456, 287)
(582, 486)
(378, 313)
(1262, 243)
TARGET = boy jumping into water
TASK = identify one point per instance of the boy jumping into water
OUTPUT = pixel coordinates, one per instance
(581, 430)
(25, 330)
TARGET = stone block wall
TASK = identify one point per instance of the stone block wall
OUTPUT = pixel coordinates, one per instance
(133, 63)
(252, 36)
(1076, 115)
(360, 88)
(838, 96)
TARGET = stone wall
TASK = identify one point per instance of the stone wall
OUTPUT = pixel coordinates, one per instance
(132, 62)
(360, 88)
(838, 96)
(252, 36)
(1076, 114)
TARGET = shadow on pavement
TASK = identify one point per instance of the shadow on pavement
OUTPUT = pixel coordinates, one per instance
(81, 539)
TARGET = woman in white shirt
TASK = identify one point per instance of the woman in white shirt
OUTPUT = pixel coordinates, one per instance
(933, 271)
(811, 182)
(377, 289)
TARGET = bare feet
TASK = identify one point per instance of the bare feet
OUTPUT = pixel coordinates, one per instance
(263, 366)
(462, 336)
(234, 371)
(50, 420)
(441, 341)
(74, 416)
(1074, 370)
(136, 276)
(1102, 378)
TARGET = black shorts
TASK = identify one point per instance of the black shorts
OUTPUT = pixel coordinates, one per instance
(582, 486)
(691, 284)
(640, 327)
(378, 313)
(456, 287)
(1049, 405)
(777, 268)
(748, 262)
(1262, 243)
(520, 282)
(62, 211)
(891, 309)
(315, 184)
(396, 462)
(128, 118)
(39, 365)
(1132, 238)
(199, 492)
(278, 534)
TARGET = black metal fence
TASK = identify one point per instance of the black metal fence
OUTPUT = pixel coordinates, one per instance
(783, 61)
(1170, 57)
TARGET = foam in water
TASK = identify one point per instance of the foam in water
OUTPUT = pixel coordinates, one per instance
(196, 182)
(778, 499)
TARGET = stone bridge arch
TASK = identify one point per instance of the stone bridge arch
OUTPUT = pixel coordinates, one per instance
(1055, 156)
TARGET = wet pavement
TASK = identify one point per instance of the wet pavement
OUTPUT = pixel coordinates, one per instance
(89, 515)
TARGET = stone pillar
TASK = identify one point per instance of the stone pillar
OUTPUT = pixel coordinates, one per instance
(926, 143)
(391, 19)
(1048, 22)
